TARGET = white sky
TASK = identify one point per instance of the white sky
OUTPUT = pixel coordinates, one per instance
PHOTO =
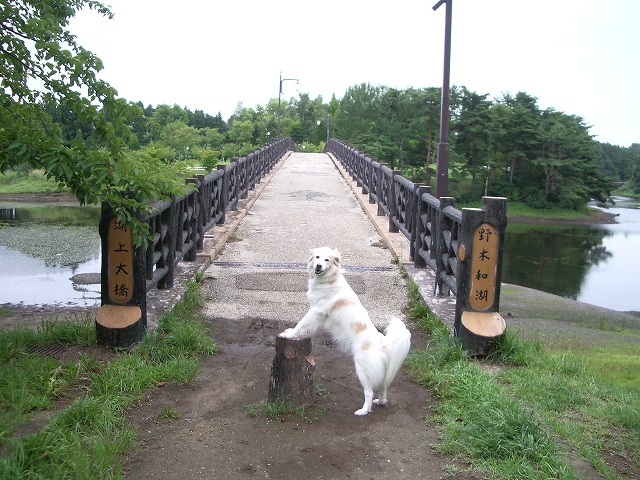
(580, 57)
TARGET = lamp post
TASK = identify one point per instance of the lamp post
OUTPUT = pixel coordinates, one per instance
(280, 98)
(442, 172)
(318, 122)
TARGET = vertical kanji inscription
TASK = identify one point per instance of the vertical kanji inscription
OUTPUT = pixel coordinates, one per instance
(120, 262)
(484, 267)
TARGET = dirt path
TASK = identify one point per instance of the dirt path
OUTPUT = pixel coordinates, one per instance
(215, 437)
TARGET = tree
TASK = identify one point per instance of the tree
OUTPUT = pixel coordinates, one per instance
(166, 114)
(359, 109)
(181, 138)
(567, 157)
(522, 141)
(472, 130)
(241, 131)
(42, 65)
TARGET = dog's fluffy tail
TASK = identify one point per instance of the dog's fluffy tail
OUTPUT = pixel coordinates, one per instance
(398, 340)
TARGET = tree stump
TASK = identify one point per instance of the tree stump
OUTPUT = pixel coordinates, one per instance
(119, 326)
(479, 332)
(292, 371)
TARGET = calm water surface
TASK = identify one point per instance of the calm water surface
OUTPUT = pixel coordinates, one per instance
(596, 264)
(44, 246)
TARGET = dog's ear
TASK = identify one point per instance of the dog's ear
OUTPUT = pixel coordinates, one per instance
(337, 258)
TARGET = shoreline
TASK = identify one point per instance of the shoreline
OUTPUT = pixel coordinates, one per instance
(594, 216)
(53, 197)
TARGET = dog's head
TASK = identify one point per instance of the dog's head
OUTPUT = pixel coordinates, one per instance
(322, 260)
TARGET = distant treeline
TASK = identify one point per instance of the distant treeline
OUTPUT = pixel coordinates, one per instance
(506, 146)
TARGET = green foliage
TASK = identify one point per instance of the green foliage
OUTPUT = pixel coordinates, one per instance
(507, 147)
(94, 164)
(207, 157)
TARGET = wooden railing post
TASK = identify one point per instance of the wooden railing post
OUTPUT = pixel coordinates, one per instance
(393, 204)
(121, 320)
(478, 322)
(420, 228)
(171, 237)
(441, 247)
(224, 197)
(202, 209)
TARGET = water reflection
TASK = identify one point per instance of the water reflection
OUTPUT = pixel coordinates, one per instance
(595, 264)
(42, 247)
(59, 214)
(552, 258)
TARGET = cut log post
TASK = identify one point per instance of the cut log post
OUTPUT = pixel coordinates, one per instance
(480, 331)
(121, 321)
(478, 323)
(292, 371)
(119, 326)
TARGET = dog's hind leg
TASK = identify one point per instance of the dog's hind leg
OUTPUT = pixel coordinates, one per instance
(368, 391)
(368, 399)
(382, 396)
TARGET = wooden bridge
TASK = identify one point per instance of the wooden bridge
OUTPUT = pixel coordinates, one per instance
(461, 249)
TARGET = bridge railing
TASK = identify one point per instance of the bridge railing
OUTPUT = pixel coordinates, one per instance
(442, 238)
(177, 231)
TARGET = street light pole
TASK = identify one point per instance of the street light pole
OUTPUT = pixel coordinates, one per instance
(442, 173)
(280, 98)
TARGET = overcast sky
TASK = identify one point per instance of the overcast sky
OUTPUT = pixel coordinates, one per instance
(580, 57)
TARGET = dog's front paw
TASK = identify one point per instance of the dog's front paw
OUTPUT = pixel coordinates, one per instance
(380, 402)
(362, 411)
(288, 333)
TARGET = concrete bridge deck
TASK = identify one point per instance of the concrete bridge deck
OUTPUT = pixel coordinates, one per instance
(310, 202)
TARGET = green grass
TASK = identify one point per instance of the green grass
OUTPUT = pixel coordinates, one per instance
(534, 408)
(517, 209)
(89, 438)
(77, 330)
(616, 362)
(168, 414)
(31, 182)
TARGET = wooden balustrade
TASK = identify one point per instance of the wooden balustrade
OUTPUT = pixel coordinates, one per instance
(441, 238)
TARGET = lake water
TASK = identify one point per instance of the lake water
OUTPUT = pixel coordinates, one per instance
(596, 264)
(44, 246)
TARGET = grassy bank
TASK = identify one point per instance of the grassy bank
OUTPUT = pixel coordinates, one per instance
(520, 212)
(13, 182)
(529, 412)
(89, 437)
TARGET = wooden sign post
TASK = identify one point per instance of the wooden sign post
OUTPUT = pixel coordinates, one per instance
(121, 321)
(478, 322)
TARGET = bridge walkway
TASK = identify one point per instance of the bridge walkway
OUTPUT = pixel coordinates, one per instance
(308, 203)
(255, 284)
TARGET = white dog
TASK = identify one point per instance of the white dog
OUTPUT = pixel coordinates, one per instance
(336, 307)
